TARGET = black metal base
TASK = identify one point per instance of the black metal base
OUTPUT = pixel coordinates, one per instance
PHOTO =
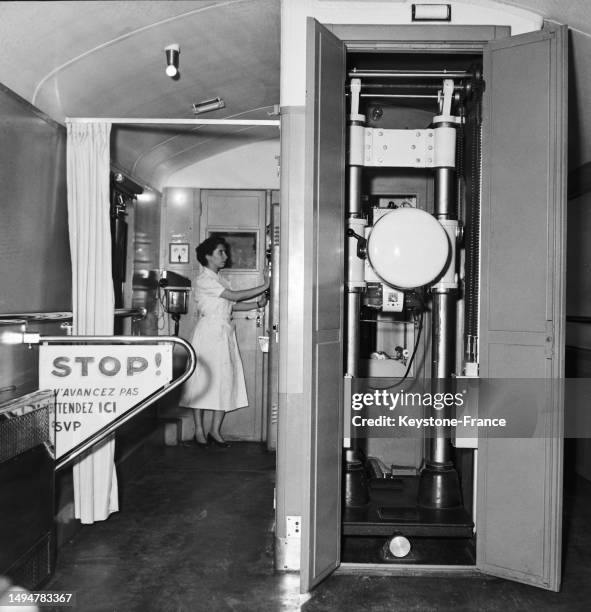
(424, 551)
(439, 487)
(393, 507)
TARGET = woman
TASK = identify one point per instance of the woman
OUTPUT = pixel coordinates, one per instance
(218, 381)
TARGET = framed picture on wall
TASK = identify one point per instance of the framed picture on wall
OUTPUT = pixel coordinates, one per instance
(178, 252)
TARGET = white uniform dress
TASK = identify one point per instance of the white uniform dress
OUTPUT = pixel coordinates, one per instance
(218, 380)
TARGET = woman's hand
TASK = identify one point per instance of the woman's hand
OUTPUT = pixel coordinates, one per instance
(262, 300)
(241, 295)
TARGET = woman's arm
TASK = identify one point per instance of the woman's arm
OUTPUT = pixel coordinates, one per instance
(260, 303)
(244, 306)
(244, 294)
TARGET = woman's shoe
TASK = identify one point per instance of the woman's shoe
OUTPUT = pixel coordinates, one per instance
(195, 442)
(211, 440)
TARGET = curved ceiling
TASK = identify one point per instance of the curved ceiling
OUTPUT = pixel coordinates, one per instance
(106, 59)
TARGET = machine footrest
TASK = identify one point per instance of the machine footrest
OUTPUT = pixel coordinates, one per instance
(392, 507)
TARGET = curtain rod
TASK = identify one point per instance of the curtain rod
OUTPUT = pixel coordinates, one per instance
(151, 121)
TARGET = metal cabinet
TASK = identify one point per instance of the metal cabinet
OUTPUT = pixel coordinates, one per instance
(519, 482)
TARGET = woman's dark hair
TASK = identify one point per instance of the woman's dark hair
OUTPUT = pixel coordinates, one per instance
(208, 246)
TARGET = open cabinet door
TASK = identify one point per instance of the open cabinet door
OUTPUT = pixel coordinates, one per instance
(519, 512)
(323, 344)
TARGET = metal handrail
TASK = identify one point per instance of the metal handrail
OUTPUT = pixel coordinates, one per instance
(111, 427)
(17, 318)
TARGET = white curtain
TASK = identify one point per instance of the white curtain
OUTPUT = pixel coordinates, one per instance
(95, 479)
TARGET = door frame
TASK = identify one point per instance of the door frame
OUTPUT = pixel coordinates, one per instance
(257, 387)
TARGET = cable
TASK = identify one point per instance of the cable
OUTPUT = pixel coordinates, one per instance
(162, 318)
(410, 361)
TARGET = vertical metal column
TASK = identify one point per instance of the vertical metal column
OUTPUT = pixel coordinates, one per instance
(439, 484)
(353, 293)
(354, 211)
(355, 489)
(443, 321)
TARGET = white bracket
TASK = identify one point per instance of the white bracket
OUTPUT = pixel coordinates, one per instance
(466, 435)
(399, 148)
(449, 279)
(355, 95)
(445, 97)
(377, 147)
(355, 265)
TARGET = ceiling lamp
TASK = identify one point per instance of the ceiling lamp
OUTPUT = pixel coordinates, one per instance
(172, 60)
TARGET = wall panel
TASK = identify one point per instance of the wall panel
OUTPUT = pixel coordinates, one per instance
(34, 246)
(34, 251)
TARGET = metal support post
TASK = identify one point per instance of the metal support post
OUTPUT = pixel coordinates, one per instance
(439, 485)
